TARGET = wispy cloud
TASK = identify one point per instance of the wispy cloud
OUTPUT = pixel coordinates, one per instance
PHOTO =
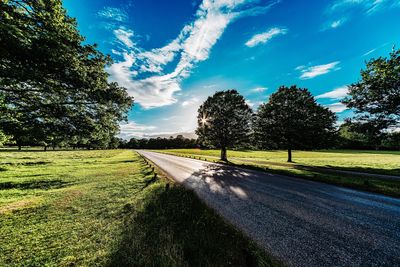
(375, 49)
(133, 129)
(369, 52)
(367, 6)
(345, 9)
(337, 23)
(336, 93)
(142, 72)
(314, 71)
(337, 107)
(124, 36)
(264, 37)
(113, 13)
(259, 89)
(191, 101)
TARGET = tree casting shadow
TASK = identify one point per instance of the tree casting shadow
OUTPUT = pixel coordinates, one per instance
(175, 228)
(39, 184)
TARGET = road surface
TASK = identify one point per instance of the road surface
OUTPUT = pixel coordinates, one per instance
(303, 223)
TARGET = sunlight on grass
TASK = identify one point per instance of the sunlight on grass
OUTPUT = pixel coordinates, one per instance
(311, 165)
(104, 208)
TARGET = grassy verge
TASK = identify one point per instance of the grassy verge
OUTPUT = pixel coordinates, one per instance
(104, 208)
(313, 165)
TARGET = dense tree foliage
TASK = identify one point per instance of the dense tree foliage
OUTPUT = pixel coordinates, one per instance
(376, 97)
(355, 135)
(159, 143)
(224, 121)
(292, 119)
(55, 88)
(378, 92)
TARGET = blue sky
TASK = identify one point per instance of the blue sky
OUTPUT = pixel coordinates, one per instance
(171, 55)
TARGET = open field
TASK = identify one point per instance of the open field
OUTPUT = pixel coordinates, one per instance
(317, 165)
(104, 208)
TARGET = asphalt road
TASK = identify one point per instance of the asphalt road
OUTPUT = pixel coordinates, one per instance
(303, 223)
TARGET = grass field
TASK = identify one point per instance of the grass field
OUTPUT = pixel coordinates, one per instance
(317, 165)
(103, 208)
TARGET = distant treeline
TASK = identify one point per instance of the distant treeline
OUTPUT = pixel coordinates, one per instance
(350, 138)
(159, 143)
(344, 139)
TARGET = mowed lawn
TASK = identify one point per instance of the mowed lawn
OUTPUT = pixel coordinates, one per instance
(317, 165)
(104, 208)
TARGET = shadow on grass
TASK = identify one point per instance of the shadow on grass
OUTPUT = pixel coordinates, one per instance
(328, 168)
(39, 184)
(391, 172)
(370, 183)
(174, 228)
(28, 163)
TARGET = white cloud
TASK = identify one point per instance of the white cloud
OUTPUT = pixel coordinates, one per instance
(210, 86)
(193, 45)
(259, 89)
(113, 13)
(337, 107)
(369, 52)
(124, 36)
(253, 105)
(314, 71)
(133, 129)
(347, 8)
(337, 23)
(336, 93)
(367, 6)
(264, 37)
(191, 101)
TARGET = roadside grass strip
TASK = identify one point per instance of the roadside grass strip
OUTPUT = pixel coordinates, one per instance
(109, 208)
(316, 165)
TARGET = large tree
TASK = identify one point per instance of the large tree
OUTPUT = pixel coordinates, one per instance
(55, 87)
(376, 97)
(292, 119)
(224, 121)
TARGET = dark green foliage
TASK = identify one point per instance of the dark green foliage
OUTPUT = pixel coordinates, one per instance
(292, 119)
(159, 143)
(392, 141)
(365, 133)
(376, 97)
(55, 88)
(378, 92)
(357, 135)
(224, 121)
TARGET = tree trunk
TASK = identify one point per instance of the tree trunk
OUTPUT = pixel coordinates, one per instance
(289, 159)
(223, 154)
(19, 147)
(45, 148)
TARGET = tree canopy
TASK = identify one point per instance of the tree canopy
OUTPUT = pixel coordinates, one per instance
(54, 87)
(292, 119)
(224, 121)
(376, 97)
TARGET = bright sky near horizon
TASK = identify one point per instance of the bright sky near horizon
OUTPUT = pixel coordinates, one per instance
(171, 55)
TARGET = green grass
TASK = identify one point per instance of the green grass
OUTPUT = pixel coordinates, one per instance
(103, 208)
(315, 165)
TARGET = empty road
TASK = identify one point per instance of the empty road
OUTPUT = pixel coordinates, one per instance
(301, 222)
